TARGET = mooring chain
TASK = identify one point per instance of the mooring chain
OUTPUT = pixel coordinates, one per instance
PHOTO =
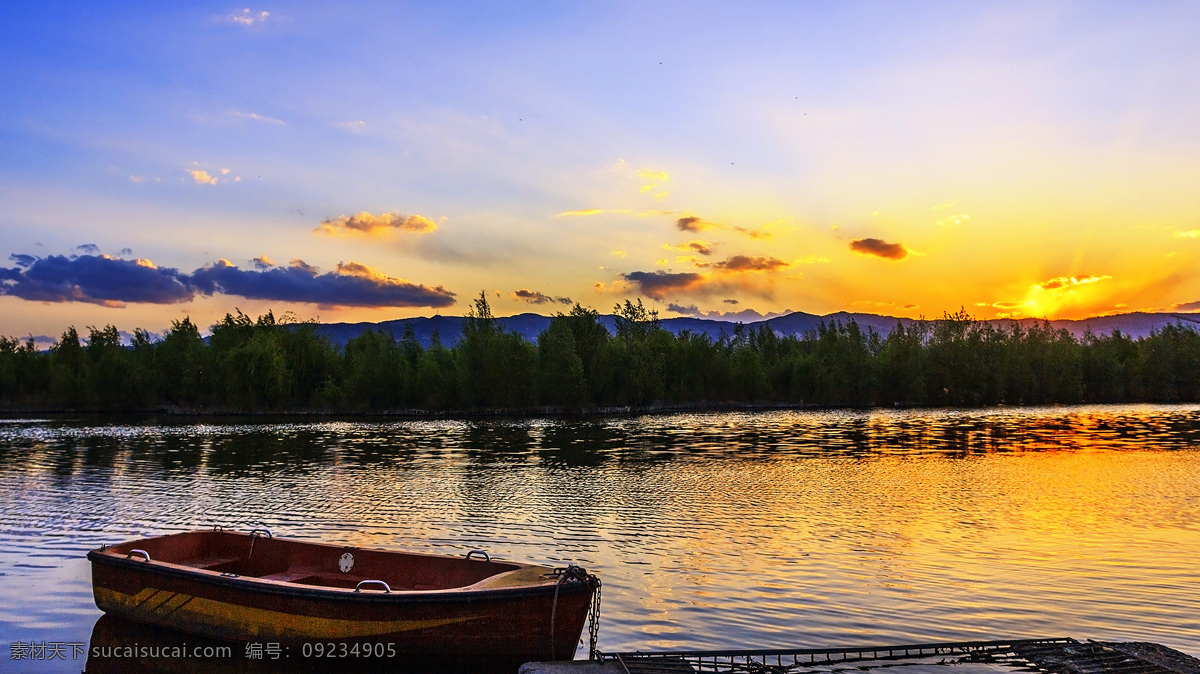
(577, 574)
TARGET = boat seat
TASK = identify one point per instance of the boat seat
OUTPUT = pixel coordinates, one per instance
(208, 562)
(291, 575)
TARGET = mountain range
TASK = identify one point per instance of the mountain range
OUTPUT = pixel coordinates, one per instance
(449, 328)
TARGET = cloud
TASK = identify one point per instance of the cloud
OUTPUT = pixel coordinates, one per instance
(879, 248)
(739, 263)
(352, 285)
(692, 223)
(262, 262)
(619, 253)
(730, 301)
(367, 223)
(689, 310)
(357, 126)
(694, 246)
(951, 220)
(22, 260)
(248, 18)
(658, 284)
(1192, 234)
(100, 279)
(1070, 281)
(296, 263)
(88, 248)
(1187, 306)
(535, 297)
(652, 179)
(255, 117)
(202, 177)
(95, 279)
(580, 213)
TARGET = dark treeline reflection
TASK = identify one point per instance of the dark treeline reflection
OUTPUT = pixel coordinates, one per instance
(265, 365)
(178, 451)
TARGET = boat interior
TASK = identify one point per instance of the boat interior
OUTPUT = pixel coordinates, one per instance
(258, 555)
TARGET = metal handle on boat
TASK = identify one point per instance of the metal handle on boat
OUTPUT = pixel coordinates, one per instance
(486, 558)
(137, 551)
(259, 532)
(358, 588)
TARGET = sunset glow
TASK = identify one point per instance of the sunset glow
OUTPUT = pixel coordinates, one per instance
(1012, 159)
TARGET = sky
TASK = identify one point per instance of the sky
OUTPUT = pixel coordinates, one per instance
(380, 160)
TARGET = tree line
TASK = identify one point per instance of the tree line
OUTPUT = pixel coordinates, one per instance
(264, 364)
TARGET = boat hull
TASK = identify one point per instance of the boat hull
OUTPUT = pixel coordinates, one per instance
(514, 621)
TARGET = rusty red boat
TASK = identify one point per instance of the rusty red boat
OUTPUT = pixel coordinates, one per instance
(252, 587)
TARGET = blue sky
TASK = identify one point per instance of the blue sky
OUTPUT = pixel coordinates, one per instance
(905, 158)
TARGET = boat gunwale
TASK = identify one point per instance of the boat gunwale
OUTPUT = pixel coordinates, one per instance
(254, 584)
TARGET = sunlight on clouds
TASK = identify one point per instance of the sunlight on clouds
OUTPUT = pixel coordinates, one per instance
(1193, 234)
(1069, 281)
(202, 178)
(619, 253)
(942, 207)
(582, 212)
(953, 220)
(369, 223)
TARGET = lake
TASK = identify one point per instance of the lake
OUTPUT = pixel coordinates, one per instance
(712, 530)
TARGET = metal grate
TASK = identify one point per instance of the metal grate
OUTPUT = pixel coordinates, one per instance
(1054, 656)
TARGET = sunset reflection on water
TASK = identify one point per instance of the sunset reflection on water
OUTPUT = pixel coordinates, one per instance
(719, 530)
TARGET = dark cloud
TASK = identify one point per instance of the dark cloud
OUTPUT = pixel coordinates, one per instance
(730, 301)
(97, 280)
(690, 223)
(262, 262)
(126, 252)
(354, 286)
(689, 310)
(535, 297)
(1188, 306)
(89, 248)
(108, 281)
(748, 263)
(879, 248)
(658, 284)
(22, 260)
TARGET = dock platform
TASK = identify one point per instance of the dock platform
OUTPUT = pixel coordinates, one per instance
(1060, 655)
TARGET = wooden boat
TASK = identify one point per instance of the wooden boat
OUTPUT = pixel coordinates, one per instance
(312, 599)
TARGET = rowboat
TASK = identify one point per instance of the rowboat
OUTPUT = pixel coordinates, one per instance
(310, 600)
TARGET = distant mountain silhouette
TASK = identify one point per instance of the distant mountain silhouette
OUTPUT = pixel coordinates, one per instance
(449, 328)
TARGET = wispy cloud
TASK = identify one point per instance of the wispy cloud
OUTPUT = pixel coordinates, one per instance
(879, 248)
(248, 18)
(580, 213)
(368, 223)
(356, 126)
(693, 246)
(1070, 281)
(1191, 234)
(741, 263)
(652, 180)
(535, 297)
(1188, 306)
(254, 116)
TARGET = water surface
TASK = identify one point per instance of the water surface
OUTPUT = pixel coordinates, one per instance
(720, 530)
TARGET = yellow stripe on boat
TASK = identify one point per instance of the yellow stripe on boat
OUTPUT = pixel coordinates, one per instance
(250, 621)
